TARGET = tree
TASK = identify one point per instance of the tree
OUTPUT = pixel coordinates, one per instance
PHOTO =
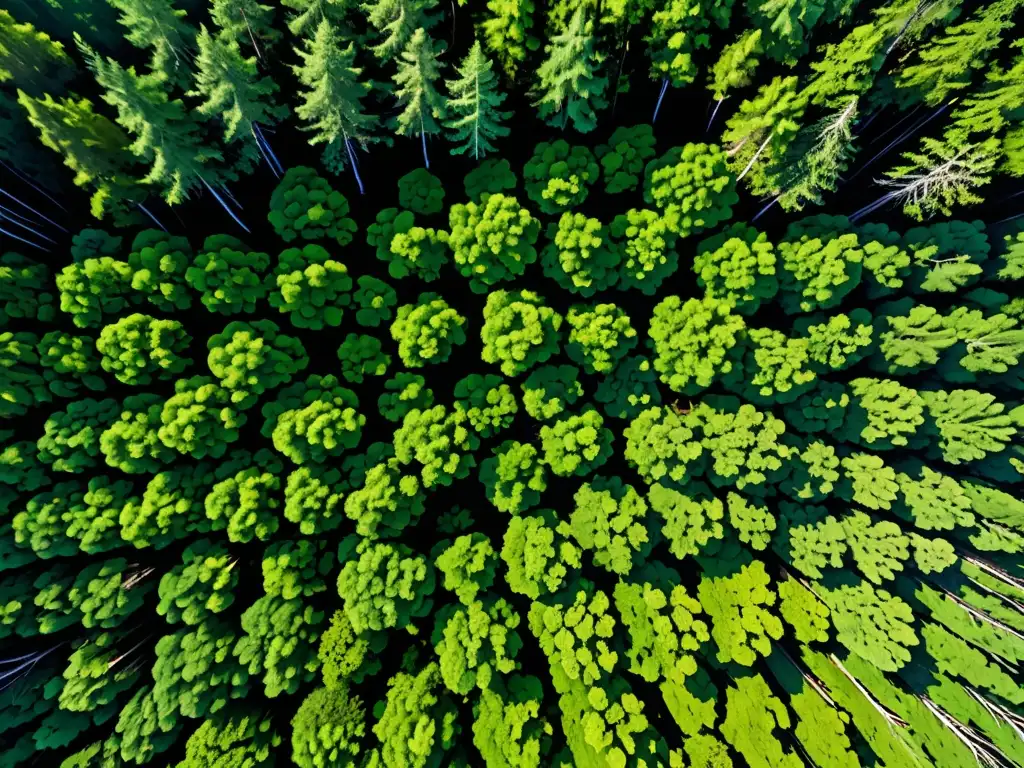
(693, 341)
(492, 241)
(198, 420)
(623, 158)
(71, 438)
(320, 423)
(872, 623)
(569, 86)
(487, 401)
(737, 264)
(304, 205)
(519, 331)
(548, 390)
(509, 729)
(559, 177)
(226, 739)
(245, 23)
(203, 585)
(333, 102)
(742, 624)
(751, 715)
(139, 348)
(418, 723)
(819, 155)
(384, 585)
(280, 641)
(476, 644)
(611, 520)
(629, 389)
(361, 356)
(159, 262)
(250, 358)
(375, 299)
(646, 242)
(514, 477)
(156, 25)
(468, 565)
(692, 186)
(398, 21)
(507, 29)
(817, 273)
(132, 442)
(402, 393)
(229, 278)
(245, 501)
(538, 558)
(427, 331)
(31, 58)
(576, 444)
(310, 286)
(93, 288)
(971, 424)
(386, 503)
(438, 440)
(423, 107)
(474, 99)
(330, 724)
(736, 64)
(421, 192)
(579, 257)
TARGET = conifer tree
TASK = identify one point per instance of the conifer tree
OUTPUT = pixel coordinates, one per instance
(249, 23)
(570, 86)
(818, 156)
(397, 21)
(423, 107)
(332, 106)
(233, 89)
(28, 57)
(92, 146)
(157, 26)
(309, 13)
(474, 99)
(166, 137)
(506, 27)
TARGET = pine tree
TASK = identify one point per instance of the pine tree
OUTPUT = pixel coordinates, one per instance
(570, 87)
(92, 146)
(28, 57)
(332, 106)
(157, 26)
(233, 89)
(309, 13)
(246, 22)
(475, 99)
(946, 64)
(398, 21)
(422, 106)
(818, 156)
(507, 29)
(735, 66)
(166, 137)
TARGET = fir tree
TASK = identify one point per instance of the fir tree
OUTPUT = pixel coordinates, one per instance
(233, 89)
(475, 99)
(28, 57)
(155, 25)
(570, 87)
(397, 21)
(246, 22)
(735, 67)
(332, 106)
(507, 29)
(422, 105)
(309, 13)
(818, 156)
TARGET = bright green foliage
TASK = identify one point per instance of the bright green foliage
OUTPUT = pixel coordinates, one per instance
(374, 299)
(23, 285)
(402, 393)
(468, 565)
(416, 251)
(646, 243)
(388, 222)
(328, 728)
(91, 682)
(878, 548)
(509, 729)
(754, 524)
(629, 389)
(138, 348)
(913, 337)
(71, 440)
(514, 477)
(492, 240)
(611, 520)
(280, 640)
(132, 442)
(816, 274)
(742, 624)
(417, 724)
(624, 156)
(420, 191)
(94, 288)
(884, 414)
(361, 356)
(872, 624)
(386, 502)
(246, 502)
(141, 730)
(487, 401)
(815, 473)
(662, 443)
(677, 30)
(228, 277)
(384, 585)
(558, 177)
(344, 654)
(195, 674)
(569, 84)
(315, 420)
(310, 286)
(821, 410)
(576, 444)
(971, 424)
(424, 109)
(600, 337)
(736, 64)
(159, 262)
(579, 257)
(752, 714)
(838, 342)
(549, 389)
(292, 569)
(441, 441)
(71, 361)
(519, 331)
(538, 558)
(427, 330)
(171, 508)
(738, 265)
(577, 636)
(693, 340)
(868, 481)
(226, 741)
(250, 358)
(506, 28)
(801, 610)
(475, 100)
(475, 644)
(203, 585)
(198, 419)
(774, 367)
(935, 502)
(692, 187)
(305, 206)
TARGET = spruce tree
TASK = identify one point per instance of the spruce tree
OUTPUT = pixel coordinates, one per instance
(506, 27)
(309, 13)
(397, 21)
(233, 89)
(28, 57)
(249, 23)
(422, 106)
(818, 156)
(475, 99)
(155, 25)
(332, 104)
(570, 86)
(92, 146)
(166, 137)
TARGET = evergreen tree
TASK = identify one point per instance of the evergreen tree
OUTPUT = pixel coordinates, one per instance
(475, 99)
(506, 27)
(332, 106)
(818, 156)
(245, 22)
(398, 21)
(736, 64)
(309, 13)
(92, 146)
(166, 137)
(422, 106)
(28, 57)
(570, 87)
(233, 89)
(156, 25)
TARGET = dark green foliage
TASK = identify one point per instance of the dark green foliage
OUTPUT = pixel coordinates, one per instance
(421, 192)
(558, 176)
(624, 157)
(304, 206)
(310, 286)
